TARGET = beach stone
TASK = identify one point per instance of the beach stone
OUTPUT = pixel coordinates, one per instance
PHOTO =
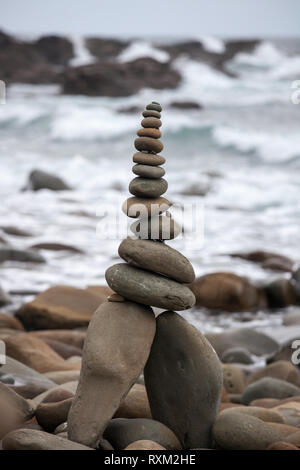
(282, 370)
(147, 171)
(154, 107)
(63, 376)
(15, 231)
(14, 410)
(5, 298)
(148, 159)
(281, 445)
(22, 256)
(265, 402)
(117, 346)
(159, 227)
(135, 404)
(286, 429)
(238, 431)
(145, 187)
(265, 414)
(227, 291)
(61, 428)
(151, 122)
(35, 353)
(61, 307)
(42, 180)
(267, 259)
(294, 439)
(290, 412)
(50, 415)
(52, 246)
(149, 132)
(9, 321)
(148, 288)
(31, 439)
(121, 432)
(136, 207)
(280, 293)
(148, 144)
(268, 387)
(56, 395)
(291, 318)
(144, 445)
(233, 378)
(64, 350)
(158, 258)
(151, 113)
(183, 366)
(71, 337)
(285, 352)
(237, 356)
(115, 298)
(254, 341)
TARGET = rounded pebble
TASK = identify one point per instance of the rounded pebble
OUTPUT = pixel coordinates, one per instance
(156, 228)
(148, 159)
(149, 132)
(154, 106)
(147, 171)
(151, 122)
(136, 207)
(148, 144)
(151, 113)
(145, 187)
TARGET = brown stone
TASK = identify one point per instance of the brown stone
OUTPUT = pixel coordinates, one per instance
(265, 414)
(135, 404)
(147, 171)
(233, 378)
(146, 187)
(154, 106)
(31, 439)
(282, 370)
(159, 227)
(151, 122)
(151, 113)
(281, 445)
(117, 346)
(294, 438)
(115, 298)
(149, 132)
(148, 144)
(60, 307)
(63, 376)
(227, 291)
(70, 337)
(148, 159)
(136, 207)
(9, 321)
(144, 445)
(50, 415)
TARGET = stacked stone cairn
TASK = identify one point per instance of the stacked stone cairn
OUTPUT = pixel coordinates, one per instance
(182, 372)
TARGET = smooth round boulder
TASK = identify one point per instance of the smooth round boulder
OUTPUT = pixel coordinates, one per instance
(147, 171)
(31, 439)
(148, 288)
(233, 378)
(149, 132)
(117, 346)
(265, 414)
(144, 445)
(236, 356)
(122, 432)
(148, 159)
(183, 378)
(154, 106)
(151, 122)
(135, 404)
(148, 144)
(157, 257)
(51, 415)
(158, 227)
(136, 207)
(151, 113)
(268, 387)
(281, 445)
(145, 187)
(238, 431)
(282, 370)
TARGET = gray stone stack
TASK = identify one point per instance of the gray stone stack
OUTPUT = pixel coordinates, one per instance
(155, 274)
(183, 375)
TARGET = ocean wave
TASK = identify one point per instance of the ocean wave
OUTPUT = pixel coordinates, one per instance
(138, 49)
(270, 147)
(212, 44)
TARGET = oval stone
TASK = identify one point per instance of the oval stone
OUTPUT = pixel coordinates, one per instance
(151, 113)
(149, 132)
(148, 159)
(157, 257)
(139, 207)
(148, 288)
(148, 171)
(145, 187)
(154, 106)
(148, 144)
(158, 227)
(151, 122)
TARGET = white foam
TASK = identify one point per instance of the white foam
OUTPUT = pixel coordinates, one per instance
(271, 147)
(139, 49)
(264, 55)
(82, 54)
(212, 44)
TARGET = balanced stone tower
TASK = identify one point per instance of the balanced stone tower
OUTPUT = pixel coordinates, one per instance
(182, 372)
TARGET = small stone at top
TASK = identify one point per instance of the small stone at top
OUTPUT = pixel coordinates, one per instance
(155, 106)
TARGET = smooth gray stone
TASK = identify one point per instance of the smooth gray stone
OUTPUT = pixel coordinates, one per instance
(157, 257)
(239, 431)
(236, 356)
(121, 432)
(158, 227)
(31, 439)
(268, 387)
(23, 256)
(183, 378)
(147, 288)
(117, 346)
(41, 180)
(146, 187)
(147, 171)
(154, 106)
